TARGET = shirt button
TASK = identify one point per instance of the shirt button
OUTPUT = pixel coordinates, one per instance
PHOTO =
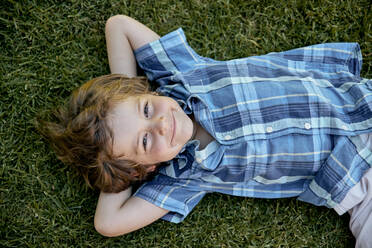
(269, 129)
(307, 125)
(227, 137)
(344, 127)
(199, 160)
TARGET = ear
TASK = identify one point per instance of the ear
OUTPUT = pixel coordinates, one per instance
(151, 168)
(134, 174)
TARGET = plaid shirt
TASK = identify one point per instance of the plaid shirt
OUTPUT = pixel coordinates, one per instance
(285, 124)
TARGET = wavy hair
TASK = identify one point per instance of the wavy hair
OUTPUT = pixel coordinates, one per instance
(82, 138)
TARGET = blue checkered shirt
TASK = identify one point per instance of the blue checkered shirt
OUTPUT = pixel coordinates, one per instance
(285, 124)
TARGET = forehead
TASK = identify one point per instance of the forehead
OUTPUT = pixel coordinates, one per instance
(121, 105)
(123, 121)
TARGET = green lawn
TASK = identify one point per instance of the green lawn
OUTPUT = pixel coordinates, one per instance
(48, 48)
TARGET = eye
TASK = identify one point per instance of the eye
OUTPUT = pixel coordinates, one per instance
(144, 142)
(146, 110)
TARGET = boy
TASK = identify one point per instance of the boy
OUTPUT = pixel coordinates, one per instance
(280, 125)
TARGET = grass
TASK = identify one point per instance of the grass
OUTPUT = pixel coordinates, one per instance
(48, 48)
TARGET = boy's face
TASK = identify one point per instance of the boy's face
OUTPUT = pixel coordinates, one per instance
(149, 129)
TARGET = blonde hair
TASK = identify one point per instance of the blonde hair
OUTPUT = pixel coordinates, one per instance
(82, 138)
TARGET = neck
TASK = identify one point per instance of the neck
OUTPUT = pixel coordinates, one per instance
(195, 128)
(200, 134)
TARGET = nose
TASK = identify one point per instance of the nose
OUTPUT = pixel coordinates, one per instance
(161, 126)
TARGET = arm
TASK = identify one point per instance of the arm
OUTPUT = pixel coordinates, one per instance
(123, 35)
(119, 213)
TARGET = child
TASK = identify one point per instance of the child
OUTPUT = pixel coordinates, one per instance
(285, 124)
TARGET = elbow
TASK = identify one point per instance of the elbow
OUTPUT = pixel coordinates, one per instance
(106, 228)
(115, 22)
(103, 229)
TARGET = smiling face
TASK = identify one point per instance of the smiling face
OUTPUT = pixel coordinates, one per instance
(149, 129)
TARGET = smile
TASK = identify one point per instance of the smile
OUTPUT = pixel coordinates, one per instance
(173, 128)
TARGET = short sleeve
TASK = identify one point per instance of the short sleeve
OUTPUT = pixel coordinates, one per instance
(163, 58)
(328, 57)
(176, 195)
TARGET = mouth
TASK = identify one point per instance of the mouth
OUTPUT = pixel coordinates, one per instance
(173, 128)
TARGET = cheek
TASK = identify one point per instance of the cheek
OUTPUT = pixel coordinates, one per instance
(162, 152)
(160, 149)
(165, 104)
